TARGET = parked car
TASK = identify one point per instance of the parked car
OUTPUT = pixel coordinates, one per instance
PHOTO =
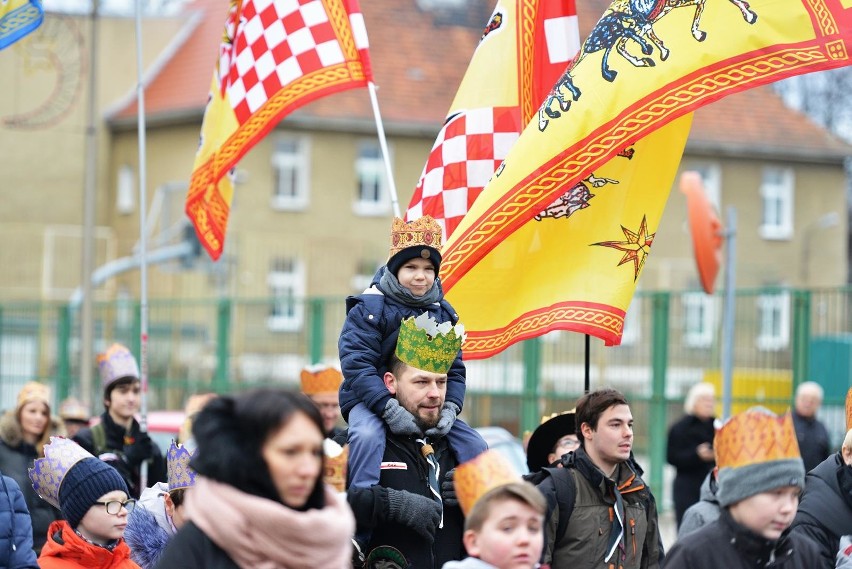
(503, 441)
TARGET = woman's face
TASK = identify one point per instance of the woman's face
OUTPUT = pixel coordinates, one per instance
(293, 454)
(34, 419)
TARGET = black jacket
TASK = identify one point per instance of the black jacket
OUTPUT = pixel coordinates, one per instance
(825, 510)
(726, 544)
(116, 436)
(371, 506)
(684, 436)
(191, 548)
(814, 443)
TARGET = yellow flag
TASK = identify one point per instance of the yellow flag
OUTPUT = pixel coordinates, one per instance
(18, 18)
(559, 236)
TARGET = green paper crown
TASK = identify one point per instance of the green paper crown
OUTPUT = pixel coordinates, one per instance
(425, 344)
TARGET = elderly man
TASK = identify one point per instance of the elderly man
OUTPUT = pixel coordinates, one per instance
(810, 432)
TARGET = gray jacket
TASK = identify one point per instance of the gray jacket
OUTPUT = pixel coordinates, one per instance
(703, 512)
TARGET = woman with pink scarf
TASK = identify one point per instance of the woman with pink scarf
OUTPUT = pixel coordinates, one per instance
(258, 500)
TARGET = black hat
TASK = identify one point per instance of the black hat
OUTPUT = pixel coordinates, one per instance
(545, 437)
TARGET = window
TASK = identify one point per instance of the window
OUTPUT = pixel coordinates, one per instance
(125, 193)
(286, 283)
(773, 321)
(290, 164)
(364, 275)
(711, 178)
(373, 194)
(699, 319)
(776, 194)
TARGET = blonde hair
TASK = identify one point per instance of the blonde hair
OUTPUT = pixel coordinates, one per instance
(696, 391)
(520, 491)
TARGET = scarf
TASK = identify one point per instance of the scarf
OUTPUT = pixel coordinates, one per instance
(258, 533)
(389, 285)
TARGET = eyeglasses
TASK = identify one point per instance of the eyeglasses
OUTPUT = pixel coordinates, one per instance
(113, 507)
(567, 443)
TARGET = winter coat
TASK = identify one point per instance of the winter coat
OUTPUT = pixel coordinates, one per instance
(16, 457)
(725, 543)
(584, 542)
(148, 527)
(115, 436)
(825, 509)
(844, 555)
(370, 505)
(192, 544)
(16, 535)
(369, 338)
(67, 550)
(704, 512)
(814, 443)
(684, 436)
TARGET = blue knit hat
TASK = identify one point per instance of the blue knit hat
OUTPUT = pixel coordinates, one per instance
(87, 481)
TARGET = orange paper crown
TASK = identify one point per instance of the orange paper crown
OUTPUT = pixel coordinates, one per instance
(335, 464)
(321, 379)
(754, 437)
(849, 409)
(476, 477)
(423, 231)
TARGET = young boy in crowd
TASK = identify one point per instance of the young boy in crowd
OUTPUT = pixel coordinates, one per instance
(504, 527)
(94, 501)
(760, 477)
(408, 285)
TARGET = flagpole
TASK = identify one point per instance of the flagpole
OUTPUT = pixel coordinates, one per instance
(383, 143)
(143, 246)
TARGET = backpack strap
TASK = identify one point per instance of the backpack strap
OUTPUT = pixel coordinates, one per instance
(566, 495)
(99, 439)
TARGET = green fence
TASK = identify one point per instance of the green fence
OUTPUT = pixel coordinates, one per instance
(783, 337)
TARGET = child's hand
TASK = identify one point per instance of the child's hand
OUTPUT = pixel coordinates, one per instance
(400, 421)
(448, 489)
(445, 423)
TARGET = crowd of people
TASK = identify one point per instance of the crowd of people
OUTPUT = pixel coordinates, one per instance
(269, 478)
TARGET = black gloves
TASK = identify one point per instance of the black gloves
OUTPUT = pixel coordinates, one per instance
(417, 512)
(448, 489)
(142, 449)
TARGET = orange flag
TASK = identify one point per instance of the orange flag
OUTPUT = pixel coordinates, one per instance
(275, 57)
(559, 236)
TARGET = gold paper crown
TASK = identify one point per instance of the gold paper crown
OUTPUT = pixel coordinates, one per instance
(321, 379)
(47, 473)
(335, 464)
(425, 344)
(33, 391)
(422, 232)
(754, 437)
(72, 409)
(180, 474)
(476, 477)
(849, 409)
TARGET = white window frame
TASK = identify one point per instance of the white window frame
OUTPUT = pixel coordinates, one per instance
(286, 282)
(711, 179)
(773, 321)
(125, 190)
(776, 198)
(371, 169)
(297, 164)
(699, 319)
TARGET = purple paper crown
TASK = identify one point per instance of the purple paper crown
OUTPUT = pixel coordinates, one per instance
(115, 363)
(47, 473)
(180, 474)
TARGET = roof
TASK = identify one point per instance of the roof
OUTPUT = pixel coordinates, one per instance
(420, 55)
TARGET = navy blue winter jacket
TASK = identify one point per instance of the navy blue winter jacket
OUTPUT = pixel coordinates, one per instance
(16, 532)
(369, 338)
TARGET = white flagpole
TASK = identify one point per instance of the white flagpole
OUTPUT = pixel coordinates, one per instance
(383, 143)
(143, 245)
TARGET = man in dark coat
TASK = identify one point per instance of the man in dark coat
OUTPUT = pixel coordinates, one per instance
(812, 435)
(407, 511)
(825, 511)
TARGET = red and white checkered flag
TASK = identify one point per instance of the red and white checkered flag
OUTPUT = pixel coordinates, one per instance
(494, 103)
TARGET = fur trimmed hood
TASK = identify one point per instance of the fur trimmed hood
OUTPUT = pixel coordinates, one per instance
(13, 436)
(145, 537)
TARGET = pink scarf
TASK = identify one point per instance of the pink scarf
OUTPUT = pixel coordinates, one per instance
(261, 534)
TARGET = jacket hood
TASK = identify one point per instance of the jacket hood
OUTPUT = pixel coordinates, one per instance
(708, 489)
(145, 537)
(63, 543)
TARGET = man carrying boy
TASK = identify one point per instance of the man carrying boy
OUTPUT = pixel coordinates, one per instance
(760, 477)
(611, 514)
(406, 287)
(406, 511)
(117, 439)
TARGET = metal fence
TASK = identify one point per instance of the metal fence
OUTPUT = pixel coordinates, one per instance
(671, 341)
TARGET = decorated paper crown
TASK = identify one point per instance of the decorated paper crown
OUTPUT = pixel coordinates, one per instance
(73, 410)
(476, 477)
(425, 344)
(117, 362)
(422, 232)
(849, 409)
(754, 437)
(321, 379)
(180, 474)
(335, 464)
(33, 391)
(47, 473)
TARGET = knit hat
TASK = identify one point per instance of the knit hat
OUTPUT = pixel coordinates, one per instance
(30, 392)
(418, 238)
(116, 363)
(756, 452)
(546, 435)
